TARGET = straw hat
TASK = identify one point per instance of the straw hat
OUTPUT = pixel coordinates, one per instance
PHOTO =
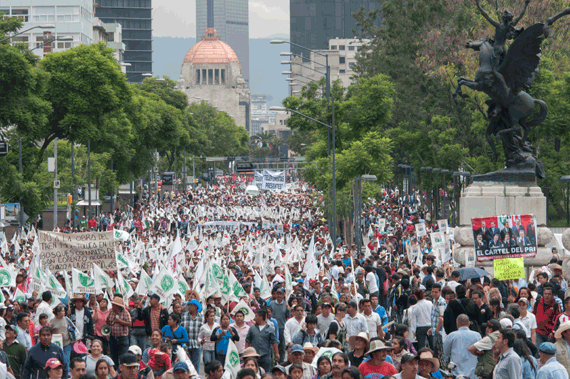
(250, 352)
(428, 356)
(377, 345)
(79, 297)
(309, 346)
(561, 329)
(118, 301)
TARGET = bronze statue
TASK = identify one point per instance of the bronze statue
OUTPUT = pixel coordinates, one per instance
(504, 75)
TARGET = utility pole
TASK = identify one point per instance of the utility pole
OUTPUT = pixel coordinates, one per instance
(21, 179)
(74, 193)
(54, 186)
(89, 174)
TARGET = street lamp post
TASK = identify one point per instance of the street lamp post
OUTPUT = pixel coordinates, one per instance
(436, 192)
(566, 179)
(430, 192)
(46, 26)
(458, 185)
(444, 187)
(334, 225)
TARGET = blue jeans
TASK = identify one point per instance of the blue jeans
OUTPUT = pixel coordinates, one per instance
(194, 355)
(139, 341)
(209, 356)
(67, 353)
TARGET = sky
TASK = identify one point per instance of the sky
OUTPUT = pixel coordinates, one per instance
(177, 18)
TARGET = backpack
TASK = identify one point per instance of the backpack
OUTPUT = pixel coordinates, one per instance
(486, 363)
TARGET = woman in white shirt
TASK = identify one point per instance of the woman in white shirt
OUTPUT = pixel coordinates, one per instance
(420, 318)
(208, 347)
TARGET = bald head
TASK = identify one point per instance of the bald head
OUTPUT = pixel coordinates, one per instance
(462, 320)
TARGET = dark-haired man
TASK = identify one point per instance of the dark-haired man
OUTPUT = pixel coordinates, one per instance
(509, 365)
(261, 336)
(15, 351)
(546, 311)
(35, 364)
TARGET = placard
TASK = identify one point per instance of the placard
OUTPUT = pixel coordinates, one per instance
(499, 237)
(64, 251)
(421, 229)
(443, 226)
(512, 268)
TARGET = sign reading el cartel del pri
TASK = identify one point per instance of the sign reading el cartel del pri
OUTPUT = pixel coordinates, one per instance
(500, 237)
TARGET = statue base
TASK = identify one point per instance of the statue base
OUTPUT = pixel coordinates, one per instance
(507, 175)
(486, 198)
(494, 198)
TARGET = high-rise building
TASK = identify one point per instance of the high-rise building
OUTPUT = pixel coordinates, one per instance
(230, 18)
(73, 21)
(135, 17)
(315, 22)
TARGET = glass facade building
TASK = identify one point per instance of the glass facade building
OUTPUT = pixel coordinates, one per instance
(135, 17)
(230, 18)
(315, 22)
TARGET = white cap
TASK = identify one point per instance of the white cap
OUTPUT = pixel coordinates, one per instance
(506, 323)
(135, 350)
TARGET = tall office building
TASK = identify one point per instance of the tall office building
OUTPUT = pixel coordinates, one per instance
(135, 17)
(315, 22)
(230, 18)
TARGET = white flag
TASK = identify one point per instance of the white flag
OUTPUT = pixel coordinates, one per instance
(164, 284)
(121, 235)
(245, 309)
(83, 283)
(7, 277)
(232, 366)
(102, 280)
(144, 284)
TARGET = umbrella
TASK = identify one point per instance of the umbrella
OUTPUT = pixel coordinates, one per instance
(471, 272)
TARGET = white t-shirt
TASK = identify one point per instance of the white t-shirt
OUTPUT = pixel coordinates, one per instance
(373, 321)
(371, 281)
(529, 321)
(79, 324)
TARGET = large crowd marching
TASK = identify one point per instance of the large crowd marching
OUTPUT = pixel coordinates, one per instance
(299, 305)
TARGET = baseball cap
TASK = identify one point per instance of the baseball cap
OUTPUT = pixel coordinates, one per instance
(506, 323)
(135, 350)
(493, 324)
(12, 328)
(279, 368)
(128, 359)
(408, 358)
(181, 366)
(297, 349)
(300, 281)
(53, 363)
(154, 296)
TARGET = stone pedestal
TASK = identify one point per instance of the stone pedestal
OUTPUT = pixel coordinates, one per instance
(495, 198)
(486, 199)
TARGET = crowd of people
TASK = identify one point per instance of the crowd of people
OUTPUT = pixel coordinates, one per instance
(301, 307)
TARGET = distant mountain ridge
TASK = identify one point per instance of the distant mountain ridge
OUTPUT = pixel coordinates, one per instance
(264, 60)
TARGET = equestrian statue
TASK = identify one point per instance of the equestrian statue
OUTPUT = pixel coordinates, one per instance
(505, 76)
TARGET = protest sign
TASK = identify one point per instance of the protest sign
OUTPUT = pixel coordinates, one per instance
(64, 251)
(512, 268)
(57, 339)
(443, 226)
(248, 313)
(270, 180)
(499, 237)
(421, 229)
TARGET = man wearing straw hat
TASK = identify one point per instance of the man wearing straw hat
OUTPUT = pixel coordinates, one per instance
(120, 320)
(562, 344)
(377, 363)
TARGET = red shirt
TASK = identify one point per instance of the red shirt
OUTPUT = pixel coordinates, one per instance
(92, 223)
(384, 369)
(545, 316)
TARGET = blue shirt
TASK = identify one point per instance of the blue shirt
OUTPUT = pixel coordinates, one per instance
(179, 334)
(455, 348)
(383, 315)
(528, 371)
(552, 370)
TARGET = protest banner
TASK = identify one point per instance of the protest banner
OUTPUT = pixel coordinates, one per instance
(64, 251)
(512, 268)
(270, 180)
(499, 237)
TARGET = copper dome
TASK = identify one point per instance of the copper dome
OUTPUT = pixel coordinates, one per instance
(211, 50)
